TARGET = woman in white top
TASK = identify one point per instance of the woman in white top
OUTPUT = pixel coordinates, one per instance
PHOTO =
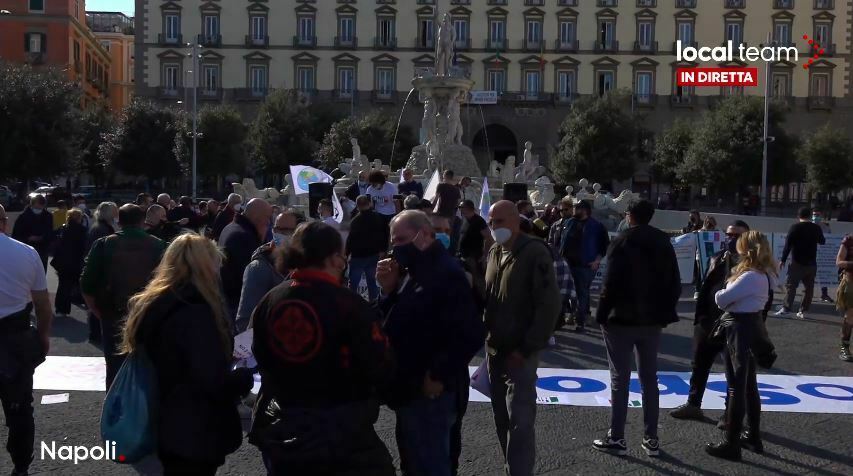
(744, 298)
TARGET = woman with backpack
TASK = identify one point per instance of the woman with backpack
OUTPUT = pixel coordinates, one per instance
(180, 322)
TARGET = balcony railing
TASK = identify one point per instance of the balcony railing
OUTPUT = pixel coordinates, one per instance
(606, 3)
(645, 99)
(251, 94)
(646, 48)
(166, 41)
(828, 50)
(563, 98)
(383, 96)
(567, 3)
(345, 95)
(424, 43)
(497, 44)
(734, 3)
(533, 45)
(524, 96)
(685, 3)
(463, 45)
(168, 92)
(252, 42)
(783, 4)
(683, 45)
(685, 100)
(210, 41)
(647, 3)
(210, 94)
(824, 4)
(821, 102)
(348, 42)
(305, 41)
(385, 42)
(565, 46)
(602, 46)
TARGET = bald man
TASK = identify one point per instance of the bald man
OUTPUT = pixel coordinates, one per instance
(225, 216)
(238, 241)
(164, 200)
(522, 306)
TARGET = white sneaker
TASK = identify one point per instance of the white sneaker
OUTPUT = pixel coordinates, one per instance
(782, 312)
(801, 315)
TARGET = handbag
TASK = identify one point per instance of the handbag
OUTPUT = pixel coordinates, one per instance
(129, 414)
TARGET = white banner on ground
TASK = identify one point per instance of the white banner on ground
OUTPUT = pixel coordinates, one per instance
(685, 253)
(432, 186)
(303, 176)
(588, 388)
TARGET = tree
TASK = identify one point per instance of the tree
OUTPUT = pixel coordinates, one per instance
(671, 148)
(281, 134)
(149, 141)
(598, 140)
(828, 158)
(375, 133)
(727, 147)
(222, 145)
(95, 122)
(39, 113)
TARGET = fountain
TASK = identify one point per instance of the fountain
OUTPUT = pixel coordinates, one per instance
(443, 91)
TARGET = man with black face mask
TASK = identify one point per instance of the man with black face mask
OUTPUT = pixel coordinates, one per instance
(707, 313)
(583, 244)
(434, 331)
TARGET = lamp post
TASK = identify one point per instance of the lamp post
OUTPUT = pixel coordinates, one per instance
(195, 56)
(766, 139)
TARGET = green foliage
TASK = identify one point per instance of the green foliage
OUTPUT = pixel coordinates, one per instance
(828, 158)
(282, 133)
(148, 141)
(39, 113)
(94, 123)
(375, 134)
(671, 148)
(221, 146)
(598, 140)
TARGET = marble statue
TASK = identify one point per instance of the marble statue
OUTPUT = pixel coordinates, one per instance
(569, 189)
(529, 170)
(454, 123)
(583, 193)
(495, 169)
(248, 190)
(428, 122)
(543, 193)
(444, 46)
(509, 169)
(356, 149)
(599, 200)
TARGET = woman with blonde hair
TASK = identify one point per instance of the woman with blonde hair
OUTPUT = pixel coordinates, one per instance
(180, 320)
(746, 299)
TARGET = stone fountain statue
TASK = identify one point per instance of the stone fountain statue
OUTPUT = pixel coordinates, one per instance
(442, 93)
(569, 189)
(529, 170)
(543, 193)
(583, 193)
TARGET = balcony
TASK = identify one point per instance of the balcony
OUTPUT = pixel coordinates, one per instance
(345, 95)
(385, 42)
(824, 4)
(734, 3)
(828, 50)
(683, 45)
(346, 42)
(206, 94)
(604, 46)
(685, 100)
(251, 94)
(383, 97)
(499, 44)
(463, 45)
(606, 3)
(305, 41)
(646, 48)
(35, 58)
(163, 40)
(252, 42)
(525, 97)
(820, 102)
(783, 4)
(566, 46)
(645, 99)
(786, 101)
(424, 44)
(210, 41)
(567, 3)
(169, 92)
(685, 3)
(565, 98)
(647, 3)
(460, 2)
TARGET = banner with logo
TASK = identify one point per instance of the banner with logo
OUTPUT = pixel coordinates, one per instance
(709, 243)
(303, 176)
(827, 272)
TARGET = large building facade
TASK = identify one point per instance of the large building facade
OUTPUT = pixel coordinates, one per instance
(114, 31)
(539, 55)
(50, 33)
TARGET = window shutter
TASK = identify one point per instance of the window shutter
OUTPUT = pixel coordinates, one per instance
(43, 43)
(27, 42)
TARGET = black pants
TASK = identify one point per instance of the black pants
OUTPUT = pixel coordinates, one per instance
(178, 466)
(17, 398)
(65, 292)
(743, 395)
(462, 392)
(704, 355)
(111, 329)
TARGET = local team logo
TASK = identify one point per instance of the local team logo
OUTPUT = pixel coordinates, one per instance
(296, 331)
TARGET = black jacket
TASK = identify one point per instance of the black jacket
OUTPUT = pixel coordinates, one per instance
(166, 231)
(707, 312)
(181, 212)
(643, 285)
(433, 325)
(353, 191)
(223, 219)
(100, 230)
(368, 235)
(238, 242)
(198, 417)
(29, 224)
(71, 251)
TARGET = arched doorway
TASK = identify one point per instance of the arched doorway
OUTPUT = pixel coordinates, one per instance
(493, 142)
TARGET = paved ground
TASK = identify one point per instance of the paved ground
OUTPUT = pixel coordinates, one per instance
(796, 443)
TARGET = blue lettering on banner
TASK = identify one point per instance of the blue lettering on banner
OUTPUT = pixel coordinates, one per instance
(587, 385)
(673, 385)
(767, 397)
(812, 389)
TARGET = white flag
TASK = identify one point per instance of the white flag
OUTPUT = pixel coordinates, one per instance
(485, 200)
(338, 209)
(303, 176)
(432, 187)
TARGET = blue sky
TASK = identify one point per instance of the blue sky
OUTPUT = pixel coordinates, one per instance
(125, 6)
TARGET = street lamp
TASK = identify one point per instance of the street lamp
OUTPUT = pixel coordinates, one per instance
(766, 139)
(195, 134)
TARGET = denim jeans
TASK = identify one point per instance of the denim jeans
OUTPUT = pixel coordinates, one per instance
(423, 435)
(366, 266)
(583, 276)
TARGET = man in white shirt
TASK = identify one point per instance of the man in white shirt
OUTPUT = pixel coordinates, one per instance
(22, 348)
(382, 192)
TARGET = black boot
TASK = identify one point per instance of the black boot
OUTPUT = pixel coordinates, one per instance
(751, 440)
(724, 449)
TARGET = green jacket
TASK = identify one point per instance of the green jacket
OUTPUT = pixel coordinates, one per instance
(523, 299)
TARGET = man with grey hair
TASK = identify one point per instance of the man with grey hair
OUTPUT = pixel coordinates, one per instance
(227, 214)
(410, 186)
(164, 200)
(434, 330)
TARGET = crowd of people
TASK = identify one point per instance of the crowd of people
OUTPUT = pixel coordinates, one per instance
(180, 280)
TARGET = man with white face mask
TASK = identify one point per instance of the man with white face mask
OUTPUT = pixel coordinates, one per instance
(522, 306)
(34, 227)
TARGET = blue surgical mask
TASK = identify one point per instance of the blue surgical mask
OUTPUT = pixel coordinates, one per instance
(444, 239)
(37, 211)
(817, 218)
